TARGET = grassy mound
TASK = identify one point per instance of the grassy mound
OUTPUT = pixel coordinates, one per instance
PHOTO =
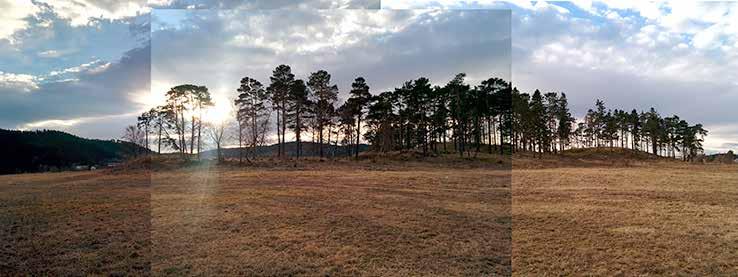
(588, 157)
(156, 162)
(610, 153)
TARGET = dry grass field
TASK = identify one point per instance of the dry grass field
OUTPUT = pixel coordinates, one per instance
(657, 219)
(314, 218)
(333, 220)
(570, 216)
(74, 223)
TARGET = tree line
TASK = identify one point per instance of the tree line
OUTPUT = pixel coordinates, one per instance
(456, 117)
(50, 150)
(544, 124)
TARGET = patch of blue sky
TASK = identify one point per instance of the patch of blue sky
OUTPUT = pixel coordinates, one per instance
(54, 47)
(168, 18)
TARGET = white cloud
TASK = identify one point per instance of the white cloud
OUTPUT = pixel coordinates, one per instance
(49, 54)
(159, 2)
(22, 82)
(712, 25)
(721, 138)
(83, 12)
(93, 67)
(54, 53)
(50, 124)
(89, 126)
(14, 14)
(449, 4)
(335, 30)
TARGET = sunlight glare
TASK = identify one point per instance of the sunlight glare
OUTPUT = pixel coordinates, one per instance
(220, 112)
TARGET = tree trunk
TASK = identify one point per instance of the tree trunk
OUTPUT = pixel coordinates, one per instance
(358, 136)
(183, 141)
(146, 135)
(320, 139)
(199, 133)
(279, 126)
(297, 134)
(192, 137)
(158, 149)
(653, 146)
(240, 143)
(499, 128)
(284, 128)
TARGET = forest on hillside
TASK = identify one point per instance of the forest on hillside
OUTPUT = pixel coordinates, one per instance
(456, 117)
(48, 150)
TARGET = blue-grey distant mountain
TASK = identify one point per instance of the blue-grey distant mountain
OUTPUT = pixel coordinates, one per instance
(35, 151)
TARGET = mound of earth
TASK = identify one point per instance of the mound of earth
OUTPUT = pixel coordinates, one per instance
(403, 155)
(587, 157)
(608, 153)
(156, 162)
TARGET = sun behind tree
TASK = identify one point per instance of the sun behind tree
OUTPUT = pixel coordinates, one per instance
(221, 110)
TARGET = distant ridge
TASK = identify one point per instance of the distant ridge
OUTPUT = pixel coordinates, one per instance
(48, 150)
(309, 149)
(727, 158)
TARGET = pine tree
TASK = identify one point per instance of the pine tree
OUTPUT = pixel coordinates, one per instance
(325, 96)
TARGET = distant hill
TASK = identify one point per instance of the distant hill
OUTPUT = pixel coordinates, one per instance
(308, 149)
(35, 151)
(727, 158)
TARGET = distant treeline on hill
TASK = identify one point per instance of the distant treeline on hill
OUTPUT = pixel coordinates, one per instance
(417, 115)
(48, 150)
(309, 149)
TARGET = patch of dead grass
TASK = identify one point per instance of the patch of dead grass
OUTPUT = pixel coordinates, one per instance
(74, 223)
(341, 221)
(660, 219)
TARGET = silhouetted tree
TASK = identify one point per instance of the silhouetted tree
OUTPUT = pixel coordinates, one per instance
(145, 120)
(534, 130)
(279, 89)
(298, 110)
(357, 102)
(134, 135)
(325, 96)
(252, 114)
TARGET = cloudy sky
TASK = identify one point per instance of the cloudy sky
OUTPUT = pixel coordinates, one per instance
(217, 48)
(680, 57)
(84, 66)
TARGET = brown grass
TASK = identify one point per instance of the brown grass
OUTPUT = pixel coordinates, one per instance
(662, 219)
(365, 217)
(74, 223)
(339, 221)
(587, 217)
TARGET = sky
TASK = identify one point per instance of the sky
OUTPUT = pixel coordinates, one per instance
(217, 48)
(89, 67)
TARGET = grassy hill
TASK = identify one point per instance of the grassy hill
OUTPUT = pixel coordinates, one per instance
(604, 153)
(309, 149)
(34, 151)
(584, 157)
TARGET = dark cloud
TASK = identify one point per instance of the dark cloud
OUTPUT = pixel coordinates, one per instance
(435, 45)
(94, 94)
(102, 39)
